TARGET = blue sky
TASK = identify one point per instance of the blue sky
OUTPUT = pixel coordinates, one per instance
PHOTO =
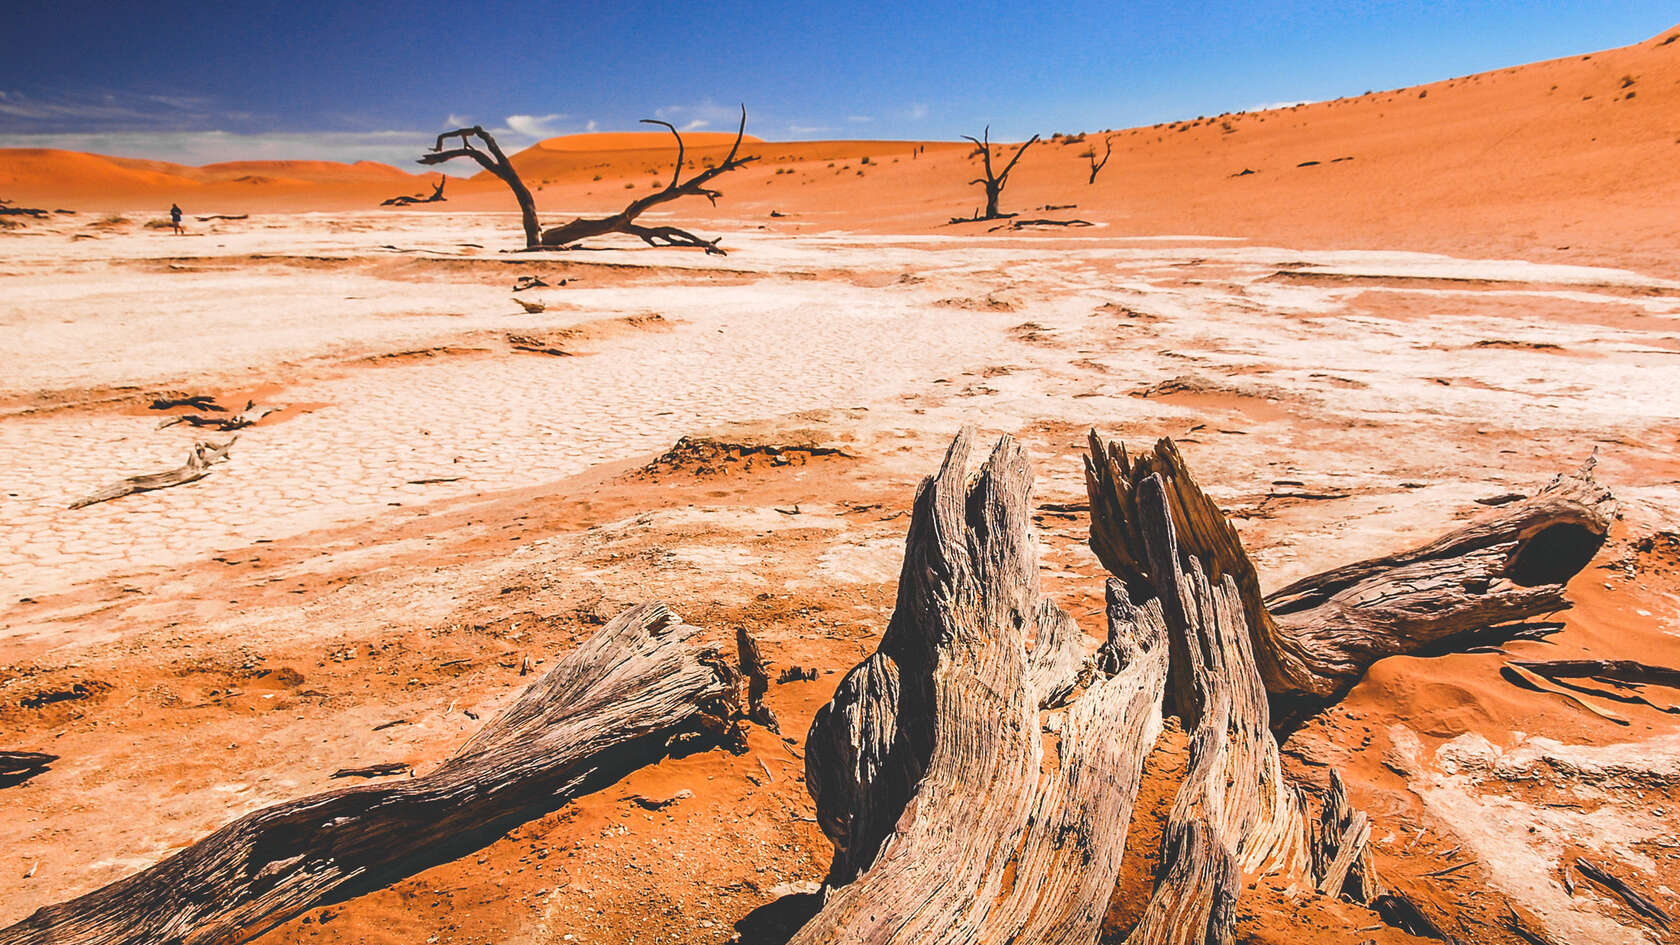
(197, 82)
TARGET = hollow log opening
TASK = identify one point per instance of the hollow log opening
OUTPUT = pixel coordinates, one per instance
(1553, 555)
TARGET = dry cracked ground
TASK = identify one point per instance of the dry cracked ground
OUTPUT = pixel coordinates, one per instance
(450, 484)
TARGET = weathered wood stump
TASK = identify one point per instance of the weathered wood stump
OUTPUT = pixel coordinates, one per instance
(624, 698)
(927, 767)
(951, 821)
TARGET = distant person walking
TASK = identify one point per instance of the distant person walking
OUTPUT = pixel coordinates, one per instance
(175, 219)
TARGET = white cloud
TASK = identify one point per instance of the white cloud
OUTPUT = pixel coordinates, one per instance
(457, 121)
(706, 113)
(808, 129)
(592, 126)
(860, 119)
(696, 124)
(916, 112)
(535, 126)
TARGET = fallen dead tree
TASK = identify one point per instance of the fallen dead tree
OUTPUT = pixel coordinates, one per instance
(404, 200)
(1315, 638)
(247, 417)
(635, 691)
(8, 210)
(491, 158)
(624, 221)
(197, 466)
(1038, 222)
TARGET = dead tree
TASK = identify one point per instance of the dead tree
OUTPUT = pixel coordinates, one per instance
(493, 160)
(1315, 638)
(925, 767)
(625, 698)
(403, 201)
(7, 209)
(994, 183)
(624, 221)
(1096, 165)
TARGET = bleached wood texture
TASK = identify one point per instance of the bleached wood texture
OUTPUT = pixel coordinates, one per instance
(1233, 807)
(927, 766)
(1315, 638)
(619, 701)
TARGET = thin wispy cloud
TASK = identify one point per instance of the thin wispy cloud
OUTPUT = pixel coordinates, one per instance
(860, 119)
(24, 112)
(397, 147)
(916, 112)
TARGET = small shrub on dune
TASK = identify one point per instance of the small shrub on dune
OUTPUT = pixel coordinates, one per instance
(159, 224)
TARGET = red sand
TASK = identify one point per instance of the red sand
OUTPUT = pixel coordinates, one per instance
(1566, 160)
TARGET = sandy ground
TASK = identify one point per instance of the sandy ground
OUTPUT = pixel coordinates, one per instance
(1418, 298)
(431, 503)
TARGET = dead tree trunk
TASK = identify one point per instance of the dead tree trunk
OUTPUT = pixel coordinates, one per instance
(1096, 165)
(926, 765)
(496, 163)
(626, 697)
(624, 221)
(1315, 638)
(994, 183)
(1233, 813)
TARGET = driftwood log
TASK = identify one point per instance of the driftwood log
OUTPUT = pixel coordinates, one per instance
(633, 692)
(197, 466)
(1315, 638)
(624, 221)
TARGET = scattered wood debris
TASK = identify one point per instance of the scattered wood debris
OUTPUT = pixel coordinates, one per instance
(247, 417)
(197, 466)
(373, 771)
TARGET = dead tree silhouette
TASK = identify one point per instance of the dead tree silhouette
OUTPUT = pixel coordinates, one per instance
(994, 183)
(624, 221)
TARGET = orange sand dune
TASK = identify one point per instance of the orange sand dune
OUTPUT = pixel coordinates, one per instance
(1569, 159)
(636, 140)
(38, 176)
